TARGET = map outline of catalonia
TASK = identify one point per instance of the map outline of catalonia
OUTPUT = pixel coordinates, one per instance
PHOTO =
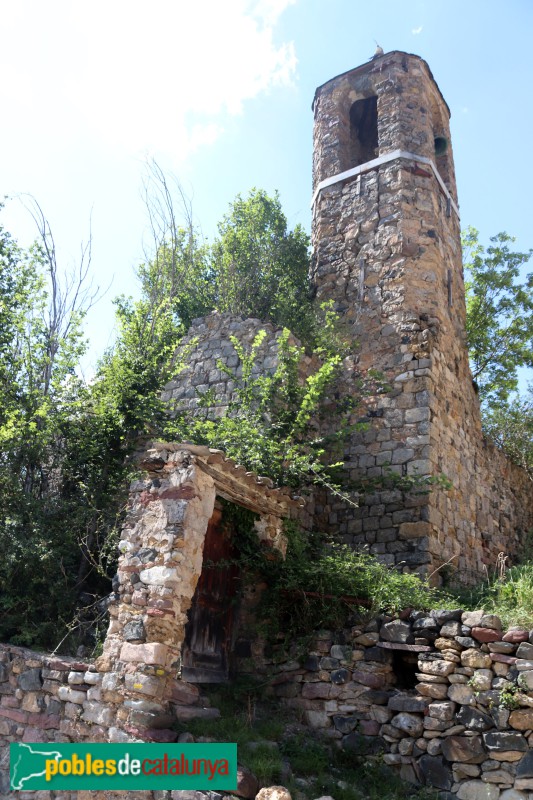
(16, 783)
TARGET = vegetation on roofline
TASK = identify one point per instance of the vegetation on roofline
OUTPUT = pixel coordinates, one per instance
(64, 471)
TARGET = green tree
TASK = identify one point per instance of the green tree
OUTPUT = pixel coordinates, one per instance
(510, 425)
(176, 277)
(41, 400)
(256, 267)
(64, 467)
(64, 470)
(260, 267)
(499, 324)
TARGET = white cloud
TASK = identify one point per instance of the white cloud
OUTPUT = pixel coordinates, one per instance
(416, 31)
(271, 10)
(161, 76)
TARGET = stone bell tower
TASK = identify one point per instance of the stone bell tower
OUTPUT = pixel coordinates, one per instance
(387, 251)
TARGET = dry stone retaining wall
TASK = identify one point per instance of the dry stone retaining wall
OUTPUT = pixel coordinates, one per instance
(446, 696)
(58, 699)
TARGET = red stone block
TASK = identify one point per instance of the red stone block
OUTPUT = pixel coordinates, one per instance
(10, 702)
(127, 568)
(33, 735)
(503, 658)
(160, 612)
(136, 732)
(371, 679)
(79, 666)
(145, 498)
(486, 634)
(369, 727)
(14, 714)
(516, 636)
(314, 691)
(161, 735)
(160, 602)
(185, 694)
(44, 721)
(71, 666)
(59, 665)
(178, 493)
(138, 599)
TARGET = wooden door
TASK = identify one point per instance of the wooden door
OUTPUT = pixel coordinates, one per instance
(208, 633)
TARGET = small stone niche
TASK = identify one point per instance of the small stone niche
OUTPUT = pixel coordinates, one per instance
(405, 667)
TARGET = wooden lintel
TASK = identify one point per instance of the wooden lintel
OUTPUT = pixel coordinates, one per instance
(242, 493)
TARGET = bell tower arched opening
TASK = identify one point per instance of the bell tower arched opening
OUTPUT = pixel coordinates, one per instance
(363, 145)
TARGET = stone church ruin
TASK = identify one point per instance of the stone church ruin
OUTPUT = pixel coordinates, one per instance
(387, 253)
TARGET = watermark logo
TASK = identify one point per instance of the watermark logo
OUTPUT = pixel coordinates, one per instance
(52, 766)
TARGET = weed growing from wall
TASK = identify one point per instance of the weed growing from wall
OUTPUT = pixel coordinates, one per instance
(271, 424)
(290, 428)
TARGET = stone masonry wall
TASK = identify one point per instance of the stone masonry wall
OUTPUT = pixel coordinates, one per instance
(47, 698)
(207, 346)
(159, 567)
(446, 696)
(387, 252)
(134, 690)
(41, 700)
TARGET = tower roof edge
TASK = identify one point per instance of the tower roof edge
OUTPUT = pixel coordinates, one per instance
(382, 60)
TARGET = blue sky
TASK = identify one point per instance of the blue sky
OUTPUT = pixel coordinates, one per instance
(219, 92)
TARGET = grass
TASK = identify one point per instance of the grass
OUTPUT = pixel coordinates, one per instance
(264, 761)
(363, 780)
(307, 756)
(279, 750)
(509, 595)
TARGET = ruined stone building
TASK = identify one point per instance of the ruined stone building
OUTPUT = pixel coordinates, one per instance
(387, 253)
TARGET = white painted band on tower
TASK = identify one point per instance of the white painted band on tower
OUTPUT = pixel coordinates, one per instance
(377, 162)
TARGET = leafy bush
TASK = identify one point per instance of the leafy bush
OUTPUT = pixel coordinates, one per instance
(510, 425)
(499, 321)
(261, 269)
(321, 583)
